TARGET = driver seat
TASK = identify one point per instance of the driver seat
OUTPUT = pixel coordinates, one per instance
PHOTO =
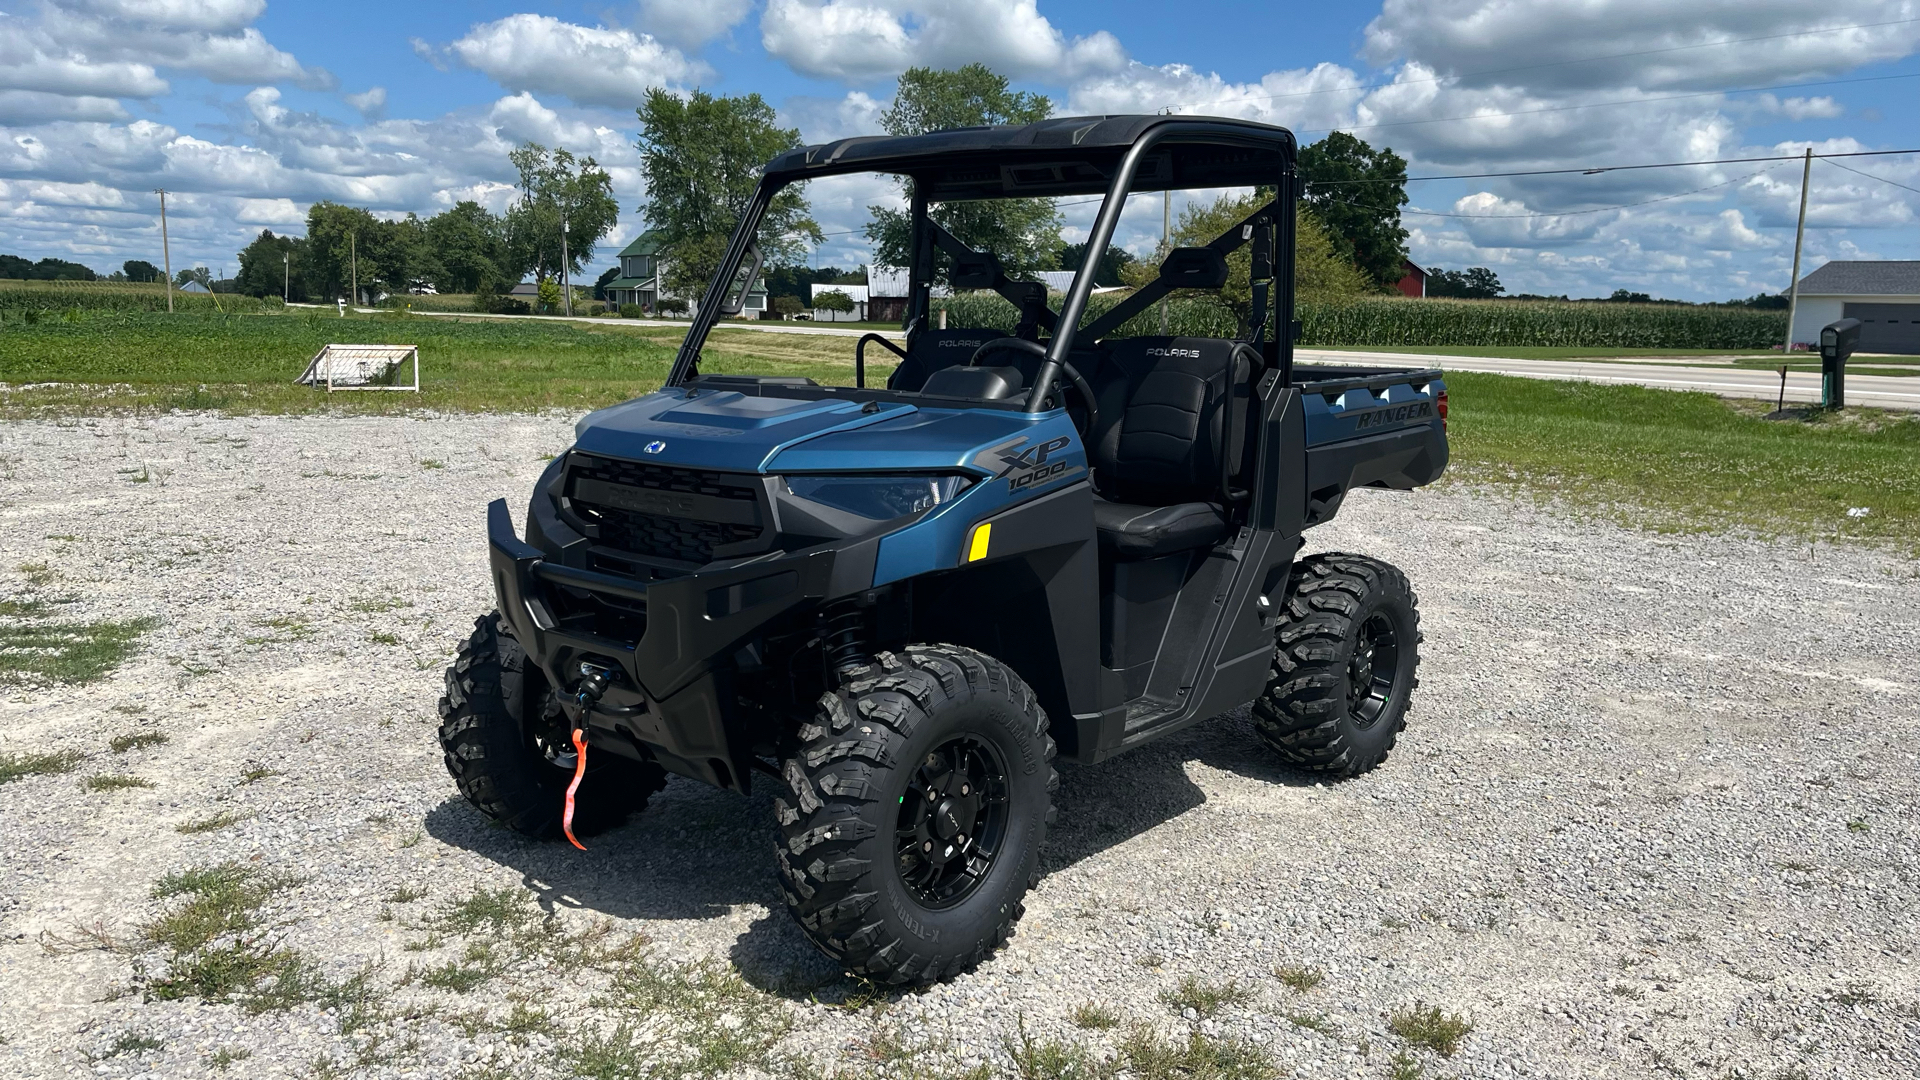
(933, 350)
(1157, 450)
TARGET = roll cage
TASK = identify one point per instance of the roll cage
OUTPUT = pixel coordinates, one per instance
(1114, 156)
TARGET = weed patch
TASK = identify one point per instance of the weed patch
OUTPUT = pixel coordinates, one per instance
(677, 1022)
(1091, 1017)
(1148, 1056)
(121, 744)
(1204, 998)
(66, 653)
(210, 823)
(19, 766)
(1427, 1026)
(116, 782)
(1300, 979)
(130, 1042)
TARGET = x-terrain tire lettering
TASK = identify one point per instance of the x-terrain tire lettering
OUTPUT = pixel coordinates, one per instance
(914, 813)
(505, 744)
(1343, 666)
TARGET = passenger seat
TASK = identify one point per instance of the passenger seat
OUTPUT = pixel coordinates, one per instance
(1156, 453)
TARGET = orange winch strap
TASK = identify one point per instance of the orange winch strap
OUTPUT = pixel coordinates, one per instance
(579, 770)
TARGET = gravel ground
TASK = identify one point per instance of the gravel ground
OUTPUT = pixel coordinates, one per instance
(1654, 814)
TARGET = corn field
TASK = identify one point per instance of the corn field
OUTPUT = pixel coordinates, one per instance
(33, 300)
(1433, 322)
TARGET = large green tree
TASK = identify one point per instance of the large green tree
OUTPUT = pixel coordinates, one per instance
(269, 264)
(703, 155)
(1320, 269)
(557, 187)
(1023, 233)
(1357, 192)
(335, 233)
(469, 245)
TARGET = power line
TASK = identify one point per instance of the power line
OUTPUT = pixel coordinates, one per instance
(1603, 209)
(1556, 63)
(1591, 170)
(1870, 176)
(1605, 104)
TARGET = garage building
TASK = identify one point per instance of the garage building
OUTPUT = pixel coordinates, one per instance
(1883, 295)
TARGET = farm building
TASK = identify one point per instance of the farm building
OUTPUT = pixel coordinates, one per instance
(856, 293)
(1414, 282)
(1883, 295)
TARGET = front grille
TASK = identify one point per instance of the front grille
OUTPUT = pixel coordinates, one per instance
(662, 512)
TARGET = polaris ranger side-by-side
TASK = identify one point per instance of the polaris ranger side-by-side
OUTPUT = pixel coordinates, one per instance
(901, 601)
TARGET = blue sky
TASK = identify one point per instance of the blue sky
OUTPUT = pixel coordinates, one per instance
(249, 111)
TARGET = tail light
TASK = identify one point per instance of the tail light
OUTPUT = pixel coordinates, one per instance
(1441, 403)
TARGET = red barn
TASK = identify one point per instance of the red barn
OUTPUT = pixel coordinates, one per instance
(1414, 283)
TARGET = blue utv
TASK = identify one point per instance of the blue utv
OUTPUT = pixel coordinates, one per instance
(901, 602)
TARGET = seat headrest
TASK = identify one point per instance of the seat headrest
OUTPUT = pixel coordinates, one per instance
(1194, 268)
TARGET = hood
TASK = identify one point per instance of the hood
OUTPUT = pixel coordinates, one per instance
(735, 432)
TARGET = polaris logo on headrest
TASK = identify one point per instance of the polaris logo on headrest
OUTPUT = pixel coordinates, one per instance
(972, 343)
(1194, 353)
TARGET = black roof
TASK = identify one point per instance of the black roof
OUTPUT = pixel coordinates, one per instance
(1864, 278)
(1071, 155)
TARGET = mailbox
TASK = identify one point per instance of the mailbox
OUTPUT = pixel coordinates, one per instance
(1837, 341)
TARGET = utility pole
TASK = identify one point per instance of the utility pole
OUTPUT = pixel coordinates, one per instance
(1166, 238)
(353, 260)
(166, 250)
(1799, 234)
(566, 288)
(286, 276)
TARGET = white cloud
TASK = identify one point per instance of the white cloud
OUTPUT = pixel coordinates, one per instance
(370, 103)
(826, 119)
(207, 37)
(692, 23)
(1323, 95)
(207, 16)
(1553, 44)
(859, 40)
(37, 107)
(591, 65)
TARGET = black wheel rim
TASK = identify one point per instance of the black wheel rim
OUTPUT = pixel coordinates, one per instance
(552, 735)
(953, 821)
(1374, 669)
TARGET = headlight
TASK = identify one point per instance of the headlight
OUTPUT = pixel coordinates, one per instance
(878, 498)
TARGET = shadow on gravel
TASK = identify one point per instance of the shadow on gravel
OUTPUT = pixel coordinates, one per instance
(699, 854)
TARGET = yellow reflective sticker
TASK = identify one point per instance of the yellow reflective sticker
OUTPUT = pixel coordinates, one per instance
(978, 549)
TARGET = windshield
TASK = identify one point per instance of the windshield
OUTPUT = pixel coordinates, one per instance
(942, 279)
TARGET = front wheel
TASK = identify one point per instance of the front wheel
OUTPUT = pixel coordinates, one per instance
(914, 813)
(1343, 666)
(508, 748)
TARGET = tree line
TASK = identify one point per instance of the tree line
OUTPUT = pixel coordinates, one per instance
(563, 208)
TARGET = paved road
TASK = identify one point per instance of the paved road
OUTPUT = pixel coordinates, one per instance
(1881, 391)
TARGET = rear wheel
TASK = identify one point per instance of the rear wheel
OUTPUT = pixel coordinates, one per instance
(1343, 666)
(914, 813)
(509, 747)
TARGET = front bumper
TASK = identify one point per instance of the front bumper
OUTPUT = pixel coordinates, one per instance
(676, 700)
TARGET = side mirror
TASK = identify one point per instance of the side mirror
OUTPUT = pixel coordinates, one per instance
(736, 301)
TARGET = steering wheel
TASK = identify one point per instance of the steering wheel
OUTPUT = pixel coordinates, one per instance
(1014, 344)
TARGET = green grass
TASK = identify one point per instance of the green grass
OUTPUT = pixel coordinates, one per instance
(131, 1042)
(1689, 461)
(1540, 352)
(66, 653)
(246, 364)
(19, 766)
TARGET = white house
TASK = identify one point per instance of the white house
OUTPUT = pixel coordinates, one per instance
(1884, 296)
(857, 293)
